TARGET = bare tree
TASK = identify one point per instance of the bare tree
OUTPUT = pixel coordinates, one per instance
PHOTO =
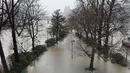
(96, 21)
(5, 66)
(10, 8)
(31, 18)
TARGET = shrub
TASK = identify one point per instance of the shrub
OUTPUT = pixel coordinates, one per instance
(26, 58)
(38, 50)
(18, 67)
(62, 35)
(78, 35)
(1, 70)
(119, 59)
(50, 42)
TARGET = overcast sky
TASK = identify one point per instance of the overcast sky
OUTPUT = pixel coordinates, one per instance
(52, 5)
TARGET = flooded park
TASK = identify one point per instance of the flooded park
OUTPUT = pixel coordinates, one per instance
(64, 36)
(59, 60)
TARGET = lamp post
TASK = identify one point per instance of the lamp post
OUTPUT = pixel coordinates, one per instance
(72, 48)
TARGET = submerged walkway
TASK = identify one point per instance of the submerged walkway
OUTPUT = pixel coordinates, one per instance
(60, 61)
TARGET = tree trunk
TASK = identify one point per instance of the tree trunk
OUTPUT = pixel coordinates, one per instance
(33, 43)
(108, 27)
(15, 45)
(106, 47)
(33, 37)
(6, 70)
(57, 34)
(14, 35)
(87, 36)
(100, 27)
(92, 60)
(3, 60)
(99, 39)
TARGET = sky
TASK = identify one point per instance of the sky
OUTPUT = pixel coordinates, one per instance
(52, 5)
